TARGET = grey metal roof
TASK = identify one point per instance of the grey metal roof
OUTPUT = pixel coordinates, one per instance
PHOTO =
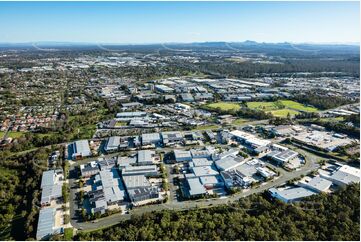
(344, 177)
(50, 192)
(151, 137)
(145, 156)
(286, 155)
(182, 154)
(211, 179)
(202, 162)
(293, 193)
(113, 188)
(130, 114)
(319, 184)
(48, 178)
(204, 171)
(46, 223)
(82, 147)
(113, 142)
(135, 181)
(195, 187)
(139, 170)
(229, 162)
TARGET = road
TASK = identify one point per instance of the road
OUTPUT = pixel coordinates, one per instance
(173, 204)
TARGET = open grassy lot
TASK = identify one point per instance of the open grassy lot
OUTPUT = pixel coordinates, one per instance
(298, 106)
(283, 112)
(224, 106)
(281, 108)
(265, 106)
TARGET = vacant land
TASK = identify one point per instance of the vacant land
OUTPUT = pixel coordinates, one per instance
(224, 106)
(284, 112)
(281, 108)
(240, 121)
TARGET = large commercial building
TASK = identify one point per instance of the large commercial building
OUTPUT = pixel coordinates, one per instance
(51, 184)
(80, 149)
(46, 224)
(343, 176)
(291, 194)
(151, 139)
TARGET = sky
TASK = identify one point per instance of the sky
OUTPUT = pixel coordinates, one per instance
(164, 22)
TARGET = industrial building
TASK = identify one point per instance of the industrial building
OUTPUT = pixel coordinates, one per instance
(290, 195)
(46, 224)
(108, 190)
(112, 144)
(51, 184)
(343, 176)
(145, 157)
(151, 139)
(172, 137)
(282, 157)
(182, 155)
(80, 149)
(196, 188)
(316, 184)
(89, 169)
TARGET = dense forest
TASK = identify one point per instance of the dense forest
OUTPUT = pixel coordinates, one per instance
(321, 217)
(20, 177)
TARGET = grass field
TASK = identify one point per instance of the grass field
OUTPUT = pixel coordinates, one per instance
(284, 112)
(281, 108)
(298, 106)
(224, 106)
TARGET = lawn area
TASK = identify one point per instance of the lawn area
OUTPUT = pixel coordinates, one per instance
(283, 112)
(224, 106)
(240, 121)
(68, 234)
(298, 106)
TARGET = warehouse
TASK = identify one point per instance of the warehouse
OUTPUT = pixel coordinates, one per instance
(89, 169)
(151, 139)
(182, 155)
(149, 170)
(291, 194)
(343, 176)
(282, 157)
(46, 224)
(172, 137)
(199, 171)
(163, 89)
(80, 149)
(51, 184)
(112, 144)
(196, 188)
(229, 162)
(145, 157)
(316, 184)
(210, 182)
(127, 116)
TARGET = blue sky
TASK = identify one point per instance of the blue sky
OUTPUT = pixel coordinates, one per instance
(156, 22)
